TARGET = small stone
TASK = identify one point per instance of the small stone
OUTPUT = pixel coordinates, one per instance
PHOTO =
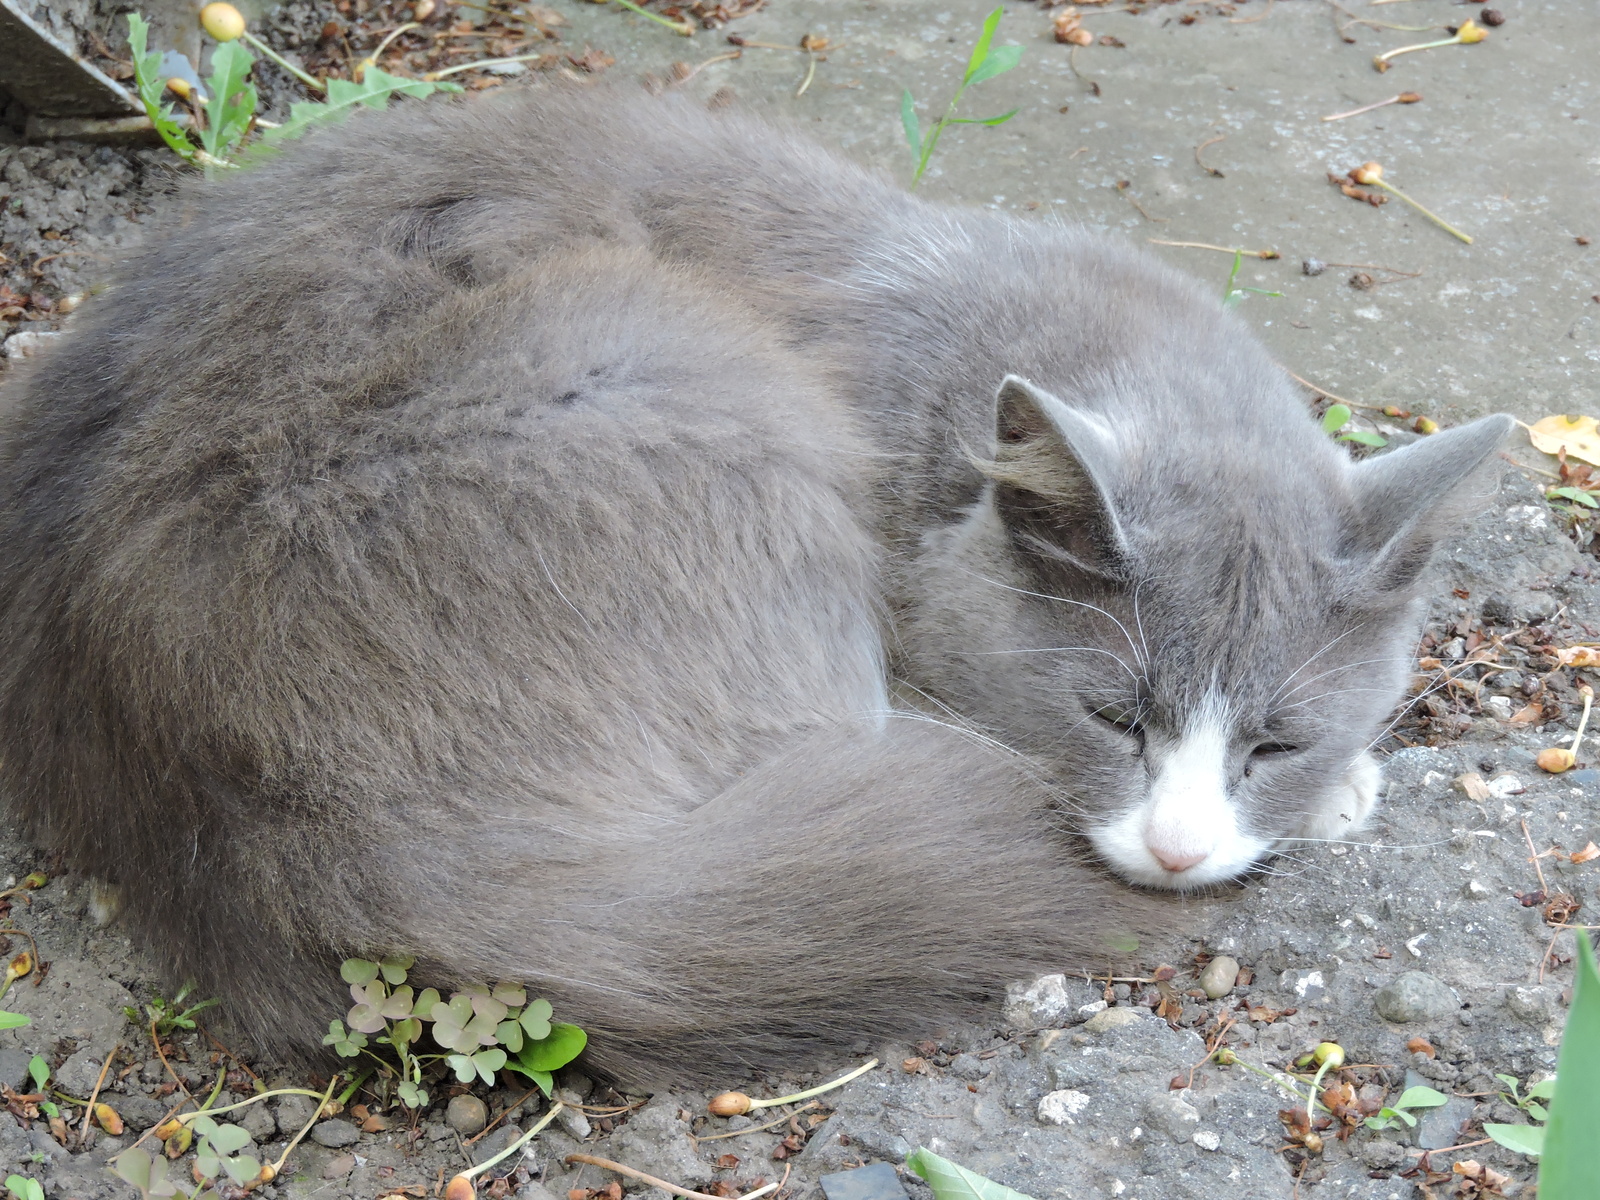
(1112, 1018)
(1122, 991)
(492, 1145)
(1498, 707)
(1061, 1108)
(257, 1122)
(1415, 996)
(970, 1067)
(14, 1069)
(339, 1166)
(571, 1117)
(1040, 1004)
(79, 1073)
(466, 1114)
(1170, 1112)
(1383, 1155)
(1309, 987)
(1207, 1139)
(335, 1135)
(1476, 891)
(25, 345)
(1454, 649)
(1216, 981)
(295, 1111)
(1312, 266)
(1534, 1004)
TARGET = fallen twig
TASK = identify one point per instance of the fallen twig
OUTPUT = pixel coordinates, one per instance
(1209, 246)
(1221, 137)
(1401, 98)
(595, 1160)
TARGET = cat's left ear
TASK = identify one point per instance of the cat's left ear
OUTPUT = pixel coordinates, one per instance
(1407, 499)
(1051, 467)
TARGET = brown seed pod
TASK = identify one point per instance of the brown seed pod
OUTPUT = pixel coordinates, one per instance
(1556, 759)
(729, 1104)
(106, 1117)
(459, 1188)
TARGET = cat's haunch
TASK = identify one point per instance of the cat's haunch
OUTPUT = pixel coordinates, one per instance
(577, 539)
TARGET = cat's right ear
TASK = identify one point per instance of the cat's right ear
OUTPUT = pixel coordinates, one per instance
(1051, 468)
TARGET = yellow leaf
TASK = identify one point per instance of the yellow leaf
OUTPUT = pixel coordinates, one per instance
(1580, 435)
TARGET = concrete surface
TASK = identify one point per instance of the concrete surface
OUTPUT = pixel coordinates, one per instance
(1504, 144)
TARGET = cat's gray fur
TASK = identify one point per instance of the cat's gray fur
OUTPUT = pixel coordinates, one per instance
(487, 531)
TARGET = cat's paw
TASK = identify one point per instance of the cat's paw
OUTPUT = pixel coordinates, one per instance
(1346, 807)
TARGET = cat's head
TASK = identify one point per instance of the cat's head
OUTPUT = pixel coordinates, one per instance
(1199, 640)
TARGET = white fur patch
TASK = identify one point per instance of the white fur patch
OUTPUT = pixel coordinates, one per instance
(1187, 832)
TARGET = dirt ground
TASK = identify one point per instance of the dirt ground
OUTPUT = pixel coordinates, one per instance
(1438, 923)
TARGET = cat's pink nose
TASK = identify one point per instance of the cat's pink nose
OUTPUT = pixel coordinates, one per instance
(1174, 861)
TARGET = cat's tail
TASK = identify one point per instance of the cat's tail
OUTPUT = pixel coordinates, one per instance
(875, 881)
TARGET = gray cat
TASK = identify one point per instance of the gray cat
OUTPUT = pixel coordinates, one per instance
(577, 539)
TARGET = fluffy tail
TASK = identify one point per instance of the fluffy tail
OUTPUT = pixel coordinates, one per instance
(871, 883)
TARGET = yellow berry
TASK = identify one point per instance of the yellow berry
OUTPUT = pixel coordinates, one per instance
(222, 21)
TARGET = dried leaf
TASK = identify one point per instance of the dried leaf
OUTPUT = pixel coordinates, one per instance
(1473, 785)
(1421, 1045)
(1527, 715)
(1587, 854)
(1579, 436)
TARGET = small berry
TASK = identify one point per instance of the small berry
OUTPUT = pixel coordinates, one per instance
(222, 21)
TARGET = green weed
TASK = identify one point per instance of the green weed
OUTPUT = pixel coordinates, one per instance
(1338, 416)
(986, 62)
(169, 1015)
(480, 1030)
(223, 118)
(1392, 1116)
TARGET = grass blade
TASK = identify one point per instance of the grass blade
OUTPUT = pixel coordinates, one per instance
(1567, 1168)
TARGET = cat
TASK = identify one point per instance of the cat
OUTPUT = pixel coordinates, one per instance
(578, 539)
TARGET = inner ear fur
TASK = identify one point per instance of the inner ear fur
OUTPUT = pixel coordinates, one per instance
(1049, 469)
(1407, 499)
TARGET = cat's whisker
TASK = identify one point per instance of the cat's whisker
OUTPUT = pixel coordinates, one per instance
(1138, 654)
(1305, 683)
(1311, 660)
(1062, 650)
(1330, 695)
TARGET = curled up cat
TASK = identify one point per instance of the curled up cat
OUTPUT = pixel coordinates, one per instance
(582, 540)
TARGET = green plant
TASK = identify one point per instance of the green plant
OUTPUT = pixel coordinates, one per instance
(1392, 1116)
(1525, 1139)
(222, 119)
(952, 1182)
(1335, 419)
(39, 1073)
(1566, 1168)
(1231, 293)
(24, 1188)
(167, 1015)
(986, 62)
(481, 1030)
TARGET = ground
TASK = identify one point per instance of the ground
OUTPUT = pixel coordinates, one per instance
(1435, 923)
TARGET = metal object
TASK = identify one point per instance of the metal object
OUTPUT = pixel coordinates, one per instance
(49, 78)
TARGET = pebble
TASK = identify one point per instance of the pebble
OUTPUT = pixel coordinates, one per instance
(1498, 707)
(339, 1166)
(335, 1135)
(1170, 1112)
(1415, 996)
(25, 345)
(1207, 1139)
(1112, 1018)
(1383, 1155)
(1217, 979)
(1047, 1001)
(1534, 1004)
(257, 1122)
(466, 1114)
(14, 1068)
(1476, 891)
(1061, 1108)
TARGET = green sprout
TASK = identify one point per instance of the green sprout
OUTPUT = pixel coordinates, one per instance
(986, 62)
(1337, 417)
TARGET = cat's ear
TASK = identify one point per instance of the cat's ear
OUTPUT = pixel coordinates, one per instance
(1406, 499)
(1050, 468)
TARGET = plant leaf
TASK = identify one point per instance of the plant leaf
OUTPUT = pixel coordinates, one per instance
(909, 122)
(555, 1050)
(1001, 59)
(39, 1072)
(1524, 1139)
(244, 1168)
(358, 972)
(952, 1182)
(1566, 1171)
(233, 100)
(1365, 436)
(509, 1035)
(1421, 1097)
(150, 86)
(1576, 494)
(394, 968)
(1579, 435)
(980, 49)
(373, 91)
(1000, 120)
(1335, 418)
(131, 1166)
(1544, 1089)
(536, 1019)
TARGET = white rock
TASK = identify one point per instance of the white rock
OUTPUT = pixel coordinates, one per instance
(26, 344)
(1206, 1139)
(1040, 1004)
(1060, 1108)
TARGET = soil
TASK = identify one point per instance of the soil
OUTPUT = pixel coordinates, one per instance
(1427, 946)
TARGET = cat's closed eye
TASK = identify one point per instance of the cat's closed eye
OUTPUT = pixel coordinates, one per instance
(1123, 719)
